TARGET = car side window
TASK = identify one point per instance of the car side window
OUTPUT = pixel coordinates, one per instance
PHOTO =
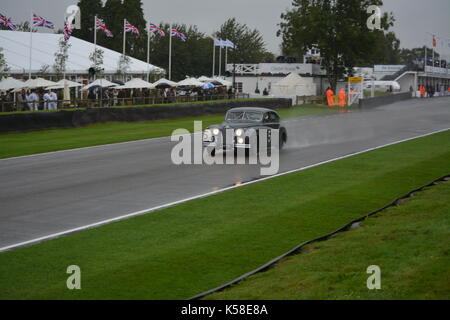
(273, 117)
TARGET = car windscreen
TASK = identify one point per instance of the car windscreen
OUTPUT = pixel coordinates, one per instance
(244, 116)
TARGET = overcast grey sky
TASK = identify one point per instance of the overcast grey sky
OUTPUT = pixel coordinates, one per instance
(414, 17)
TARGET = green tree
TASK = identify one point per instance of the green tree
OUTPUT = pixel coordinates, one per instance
(338, 28)
(89, 9)
(408, 56)
(4, 68)
(61, 57)
(123, 65)
(385, 50)
(113, 16)
(136, 45)
(96, 58)
(189, 58)
(250, 46)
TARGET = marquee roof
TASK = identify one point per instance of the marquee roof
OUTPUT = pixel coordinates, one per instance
(16, 48)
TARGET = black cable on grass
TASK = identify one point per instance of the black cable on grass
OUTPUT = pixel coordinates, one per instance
(295, 250)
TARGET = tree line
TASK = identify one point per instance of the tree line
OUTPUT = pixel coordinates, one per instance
(189, 58)
(338, 28)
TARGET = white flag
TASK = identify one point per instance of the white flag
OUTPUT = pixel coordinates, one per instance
(230, 44)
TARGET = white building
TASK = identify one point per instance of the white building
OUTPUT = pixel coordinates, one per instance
(16, 49)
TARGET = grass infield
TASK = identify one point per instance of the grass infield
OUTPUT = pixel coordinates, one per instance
(19, 144)
(181, 251)
(409, 243)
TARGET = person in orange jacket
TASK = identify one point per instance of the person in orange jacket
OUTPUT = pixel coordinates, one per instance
(342, 98)
(422, 91)
(329, 94)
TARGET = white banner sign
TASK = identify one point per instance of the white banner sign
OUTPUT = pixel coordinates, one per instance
(285, 68)
(431, 69)
(387, 68)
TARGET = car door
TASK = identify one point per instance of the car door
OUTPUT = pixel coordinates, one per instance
(272, 120)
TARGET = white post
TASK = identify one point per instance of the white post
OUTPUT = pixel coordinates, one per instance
(433, 56)
(31, 43)
(148, 53)
(170, 53)
(214, 58)
(95, 39)
(373, 88)
(95, 33)
(124, 36)
(220, 60)
(226, 57)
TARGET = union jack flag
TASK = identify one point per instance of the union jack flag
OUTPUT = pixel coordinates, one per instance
(4, 21)
(156, 30)
(39, 21)
(130, 28)
(100, 25)
(67, 31)
(176, 33)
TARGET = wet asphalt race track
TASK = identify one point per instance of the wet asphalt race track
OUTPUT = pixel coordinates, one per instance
(54, 192)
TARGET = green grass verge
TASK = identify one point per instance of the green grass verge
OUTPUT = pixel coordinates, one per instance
(184, 250)
(18, 144)
(409, 243)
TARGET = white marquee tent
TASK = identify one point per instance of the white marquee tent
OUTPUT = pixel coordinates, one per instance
(294, 85)
(136, 83)
(10, 83)
(99, 82)
(35, 83)
(190, 82)
(165, 81)
(205, 79)
(61, 83)
(223, 81)
(16, 48)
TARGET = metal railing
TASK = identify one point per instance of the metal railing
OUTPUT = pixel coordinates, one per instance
(18, 106)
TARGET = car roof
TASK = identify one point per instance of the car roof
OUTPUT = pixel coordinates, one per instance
(254, 109)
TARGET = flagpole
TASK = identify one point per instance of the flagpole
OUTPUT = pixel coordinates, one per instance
(220, 59)
(226, 57)
(170, 53)
(95, 33)
(124, 37)
(148, 52)
(31, 42)
(214, 58)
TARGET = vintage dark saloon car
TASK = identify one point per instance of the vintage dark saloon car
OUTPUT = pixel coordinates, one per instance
(241, 121)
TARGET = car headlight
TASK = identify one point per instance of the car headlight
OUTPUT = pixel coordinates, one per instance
(239, 132)
(215, 131)
(240, 140)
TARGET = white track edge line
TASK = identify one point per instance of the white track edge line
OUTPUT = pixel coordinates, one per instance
(171, 204)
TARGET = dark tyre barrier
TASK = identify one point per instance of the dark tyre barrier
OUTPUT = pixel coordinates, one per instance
(368, 103)
(298, 248)
(18, 122)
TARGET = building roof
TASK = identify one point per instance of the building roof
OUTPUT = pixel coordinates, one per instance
(16, 48)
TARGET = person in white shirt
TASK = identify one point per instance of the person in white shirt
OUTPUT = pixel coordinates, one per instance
(50, 100)
(53, 104)
(47, 100)
(33, 101)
